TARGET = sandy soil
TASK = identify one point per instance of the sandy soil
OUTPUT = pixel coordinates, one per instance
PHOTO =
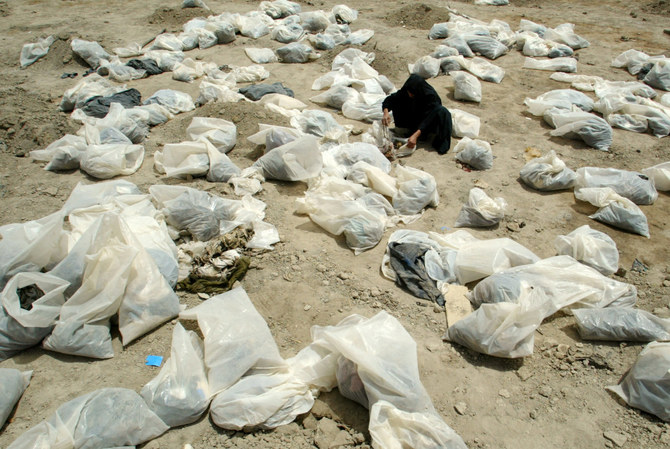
(547, 400)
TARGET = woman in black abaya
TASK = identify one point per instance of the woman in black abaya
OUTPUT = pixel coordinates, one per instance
(417, 107)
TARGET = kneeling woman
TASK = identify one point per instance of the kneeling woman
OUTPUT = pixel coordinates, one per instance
(417, 107)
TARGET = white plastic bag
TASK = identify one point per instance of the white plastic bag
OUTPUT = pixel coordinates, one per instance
(425, 67)
(110, 160)
(645, 385)
(261, 55)
(91, 52)
(547, 173)
(632, 185)
(174, 100)
(32, 52)
(464, 124)
(466, 87)
(591, 247)
(594, 131)
(482, 69)
(475, 153)
(660, 174)
(167, 41)
(621, 324)
(237, 339)
(62, 154)
(481, 210)
(296, 53)
(183, 159)
(298, 160)
(220, 133)
(417, 190)
(554, 65)
(109, 417)
(179, 394)
(24, 321)
(659, 75)
(614, 209)
(12, 385)
(559, 98)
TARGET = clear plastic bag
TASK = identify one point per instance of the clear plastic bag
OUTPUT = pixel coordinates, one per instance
(474, 152)
(297, 160)
(566, 64)
(438, 31)
(314, 21)
(110, 160)
(425, 67)
(91, 52)
(287, 33)
(591, 247)
(481, 210)
(296, 53)
(548, 173)
(261, 55)
(175, 101)
(24, 319)
(614, 209)
(179, 395)
(336, 96)
(417, 190)
(660, 174)
(483, 69)
(62, 154)
(32, 52)
(594, 131)
(565, 34)
(280, 8)
(12, 385)
(486, 46)
(621, 324)
(646, 384)
(237, 339)
(167, 41)
(109, 417)
(559, 98)
(182, 159)
(464, 124)
(659, 75)
(219, 132)
(466, 87)
(632, 185)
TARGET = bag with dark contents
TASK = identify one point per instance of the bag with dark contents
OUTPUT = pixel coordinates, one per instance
(547, 173)
(438, 31)
(407, 260)
(498, 287)
(99, 106)
(461, 45)
(632, 185)
(349, 382)
(621, 324)
(475, 153)
(12, 385)
(659, 75)
(560, 51)
(31, 303)
(646, 385)
(287, 33)
(296, 53)
(297, 160)
(614, 209)
(481, 210)
(256, 91)
(450, 64)
(466, 87)
(91, 52)
(594, 131)
(148, 65)
(485, 46)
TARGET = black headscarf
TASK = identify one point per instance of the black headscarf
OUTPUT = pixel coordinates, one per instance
(411, 112)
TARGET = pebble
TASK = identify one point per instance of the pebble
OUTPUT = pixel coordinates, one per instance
(343, 275)
(461, 408)
(533, 414)
(545, 391)
(325, 283)
(524, 373)
(307, 307)
(203, 295)
(321, 268)
(505, 394)
(666, 283)
(375, 292)
(618, 439)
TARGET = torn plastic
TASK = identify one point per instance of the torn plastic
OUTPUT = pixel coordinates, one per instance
(32, 52)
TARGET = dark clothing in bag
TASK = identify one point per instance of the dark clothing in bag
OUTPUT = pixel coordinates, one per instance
(422, 111)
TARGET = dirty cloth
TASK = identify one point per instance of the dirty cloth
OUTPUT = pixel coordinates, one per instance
(422, 111)
(148, 65)
(220, 283)
(407, 260)
(256, 91)
(98, 106)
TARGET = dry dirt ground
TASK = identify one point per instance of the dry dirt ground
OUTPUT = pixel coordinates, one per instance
(549, 400)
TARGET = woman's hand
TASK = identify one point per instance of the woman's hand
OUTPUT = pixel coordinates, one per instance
(411, 142)
(386, 120)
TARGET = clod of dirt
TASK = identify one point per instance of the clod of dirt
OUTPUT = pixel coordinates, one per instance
(418, 17)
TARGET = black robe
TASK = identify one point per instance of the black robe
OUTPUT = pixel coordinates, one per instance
(423, 111)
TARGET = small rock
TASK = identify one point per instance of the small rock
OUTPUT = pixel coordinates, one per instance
(533, 414)
(524, 373)
(358, 438)
(377, 305)
(307, 307)
(438, 309)
(375, 292)
(325, 283)
(514, 227)
(357, 131)
(618, 439)
(326, 432)
(666, 283)
(562, 350)
(461, 408)
(504, 393)
(203, 295)
(309, 422)
(321, 268)
(343, 275)
(53, 191)
(545, 391)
